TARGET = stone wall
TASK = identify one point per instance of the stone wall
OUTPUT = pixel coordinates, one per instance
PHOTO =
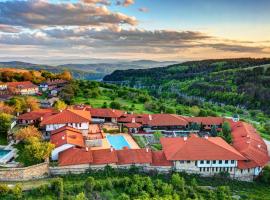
(25, 173)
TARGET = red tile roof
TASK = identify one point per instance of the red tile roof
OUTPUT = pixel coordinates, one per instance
(249, 143)
(167, 120)
(134, 156)
(132, 125)
(105, 112)
(138, 118)
(75, 156)
(104, 156)
(206, 120)
(22, 85)
(196, 148)
(68, 116)
(67, 135)
(159, 159)
(36, 114)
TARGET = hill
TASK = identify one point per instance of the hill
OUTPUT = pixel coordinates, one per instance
(243, 82)
(92, 71)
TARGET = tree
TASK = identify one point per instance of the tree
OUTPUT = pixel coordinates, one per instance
(65, 75)
(157, 135)
(32, 103)
(6, 108)
(80, 196)
(115, 105)
(60, 105)
(5, 122)
(104, 105)
(28, 132)
(178, 183)
(267, 127)
(265, 175)
(214, 131)
(227, 132)
(36, 151)
(223, 193)
(58, 188)
(194, 110)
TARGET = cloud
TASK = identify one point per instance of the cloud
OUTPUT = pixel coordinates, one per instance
(125, 3)
(9, 29)
(38, 13)
(108, 40)
(143, 9)
(104, 2)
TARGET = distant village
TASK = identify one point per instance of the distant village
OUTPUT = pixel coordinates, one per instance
(85, 137)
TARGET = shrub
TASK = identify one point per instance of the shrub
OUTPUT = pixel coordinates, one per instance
(4, 189)
(58, 187)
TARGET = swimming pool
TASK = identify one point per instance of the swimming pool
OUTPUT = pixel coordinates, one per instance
(3, 153)
(117, 141)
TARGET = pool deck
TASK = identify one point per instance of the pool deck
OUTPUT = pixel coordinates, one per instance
(106, 144)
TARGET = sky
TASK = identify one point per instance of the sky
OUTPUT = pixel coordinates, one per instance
(49, 31)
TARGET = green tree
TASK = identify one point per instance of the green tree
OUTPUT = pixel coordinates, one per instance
(80, 196)
(35, 151)
(5, 122)
(194, 110)
(58, 187)
(223, 193)
(157, 135)
(214, 131)
(227, 132)
(265, 176)
(60, 105)
(115, 105)
(178, 183)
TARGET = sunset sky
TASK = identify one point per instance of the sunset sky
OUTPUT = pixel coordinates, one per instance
(55, 30)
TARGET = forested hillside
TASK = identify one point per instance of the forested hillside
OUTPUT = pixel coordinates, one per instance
(244, 82)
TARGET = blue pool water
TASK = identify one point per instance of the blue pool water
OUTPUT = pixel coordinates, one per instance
(3, 152)
(117, 141)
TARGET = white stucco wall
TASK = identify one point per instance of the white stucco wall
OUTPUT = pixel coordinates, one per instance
(57, 150)
(81, 126)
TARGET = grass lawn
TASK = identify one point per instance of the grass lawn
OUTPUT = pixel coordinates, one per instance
(99, 101)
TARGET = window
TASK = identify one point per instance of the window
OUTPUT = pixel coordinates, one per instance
(220, 162)
(208, 161)
(208, 169)
(248, 170)
(230, 169)
(241, 171)
(200, 169)
(182, 161)
(226, 161)
(216, 169)
(214, 162)
(188, 161)
(201, 162)
(232, 161)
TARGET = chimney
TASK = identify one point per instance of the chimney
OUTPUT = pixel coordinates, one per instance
(185, 138)
(111, 149)
(86, 149)
(41, 118)
(259, 146)
(147, 149)
(28, 109)
(113, 110)
(63, 137)
(150, 117)
(206, 137)
(133, 120)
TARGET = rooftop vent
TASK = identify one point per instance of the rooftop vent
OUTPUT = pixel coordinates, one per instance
(185, 138)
